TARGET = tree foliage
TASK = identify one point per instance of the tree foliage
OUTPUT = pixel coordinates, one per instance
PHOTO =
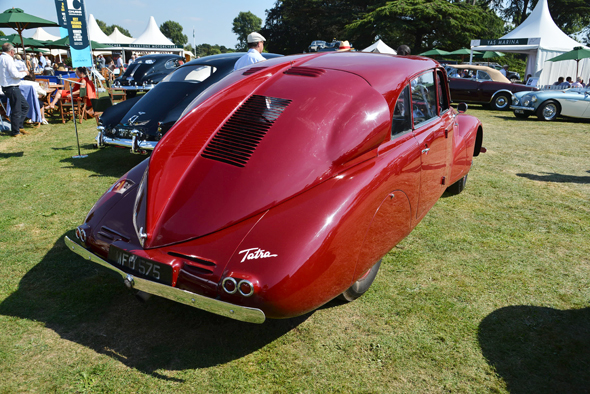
(244, 24)
(208, 49)
(292, 25)
(173, 31)
(108, 30)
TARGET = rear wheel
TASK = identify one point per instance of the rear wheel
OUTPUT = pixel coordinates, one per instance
(501, 101)
(458, 186)
(361, 286)
(548, 111)
(522, 116)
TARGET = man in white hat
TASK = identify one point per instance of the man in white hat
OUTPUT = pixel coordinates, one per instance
(255, 45)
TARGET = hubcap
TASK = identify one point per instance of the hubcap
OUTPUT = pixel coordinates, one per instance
(549, 111)
(501, 102)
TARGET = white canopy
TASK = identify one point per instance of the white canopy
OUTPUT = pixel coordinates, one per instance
(119, 38)
(95, 33)
(380, 47)
(540, 38)
(152, 35)
(42, 35)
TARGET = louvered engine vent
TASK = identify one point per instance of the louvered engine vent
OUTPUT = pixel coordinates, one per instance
(239, 137)
(195, 264)
(305, 71)
(253, 70)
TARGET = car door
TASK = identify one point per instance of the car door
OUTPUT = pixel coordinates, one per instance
(463, 89)
(575, 104)
(429, 131)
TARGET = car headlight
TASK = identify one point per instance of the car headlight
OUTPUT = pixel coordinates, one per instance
(515, 100)
(534, 99)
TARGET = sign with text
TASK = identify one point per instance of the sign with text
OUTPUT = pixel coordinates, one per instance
(506, 41)
(60, 7)
(78, 33)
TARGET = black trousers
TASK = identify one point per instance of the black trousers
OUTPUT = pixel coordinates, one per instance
(18, 108)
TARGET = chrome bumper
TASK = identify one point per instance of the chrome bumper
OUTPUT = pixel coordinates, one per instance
(242, 313)
(136, 145)
(513, 107)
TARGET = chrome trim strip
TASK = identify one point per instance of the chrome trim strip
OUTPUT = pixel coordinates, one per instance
(128, 143)
(237, 312)
(523, 108)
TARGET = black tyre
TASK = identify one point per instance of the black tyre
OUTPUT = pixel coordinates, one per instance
(458, 186)
(501, 101)
(549, 110)
(361, 286)
(522, 116)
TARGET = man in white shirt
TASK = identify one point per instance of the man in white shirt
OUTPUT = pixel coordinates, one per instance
(504, 70)
(9, 79)
(255, 45)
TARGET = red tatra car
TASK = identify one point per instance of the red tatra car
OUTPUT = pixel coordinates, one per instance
(284, 184)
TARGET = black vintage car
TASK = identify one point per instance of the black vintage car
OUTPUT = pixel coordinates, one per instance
(139, 123)
(147, 71)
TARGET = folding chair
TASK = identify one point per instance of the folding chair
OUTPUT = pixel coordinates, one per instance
(117, 95)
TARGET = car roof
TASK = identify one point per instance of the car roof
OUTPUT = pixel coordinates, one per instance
(495, 74)
(225, 57)
(159, 56)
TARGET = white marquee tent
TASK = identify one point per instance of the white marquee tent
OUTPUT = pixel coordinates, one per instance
(152, 35)
(380, 47)
(540, 38)
(95, 33)
(120, 38)
(42, 35)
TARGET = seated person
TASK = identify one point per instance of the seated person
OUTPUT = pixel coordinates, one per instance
(82, 74)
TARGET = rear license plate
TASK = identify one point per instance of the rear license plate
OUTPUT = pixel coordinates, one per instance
(519, 111)
(139, 266)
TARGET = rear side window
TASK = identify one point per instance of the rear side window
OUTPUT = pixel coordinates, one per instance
(402, 118)
(423, 98)
(443, 101)
(483, 76)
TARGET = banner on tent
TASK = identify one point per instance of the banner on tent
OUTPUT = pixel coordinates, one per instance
(506, 41)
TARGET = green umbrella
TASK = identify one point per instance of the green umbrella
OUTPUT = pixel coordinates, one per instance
(492, 54)
(65, 42)
(463, 52)
(434, 52)
(17, 40)
(19, 20)
(576, 54)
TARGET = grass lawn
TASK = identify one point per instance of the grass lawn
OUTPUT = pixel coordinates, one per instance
(489, 293)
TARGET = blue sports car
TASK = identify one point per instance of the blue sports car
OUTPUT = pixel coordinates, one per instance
(549, 104)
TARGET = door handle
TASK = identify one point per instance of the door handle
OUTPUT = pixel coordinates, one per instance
(425, 150)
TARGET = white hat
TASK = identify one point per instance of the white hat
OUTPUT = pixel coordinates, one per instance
(255, 37)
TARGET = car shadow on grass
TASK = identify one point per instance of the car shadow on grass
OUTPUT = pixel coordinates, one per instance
(4, 155)
(109, 161)
(537, 349)
(555, 177)
(86, 304)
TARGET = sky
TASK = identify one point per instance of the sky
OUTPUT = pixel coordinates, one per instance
(211, 20)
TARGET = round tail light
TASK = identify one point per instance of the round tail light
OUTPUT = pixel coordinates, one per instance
(229, 285)
(245, 287)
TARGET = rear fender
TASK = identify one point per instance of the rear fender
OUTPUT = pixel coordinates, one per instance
(468, 135)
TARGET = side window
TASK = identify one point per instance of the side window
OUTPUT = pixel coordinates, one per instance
(423, 98)
(402, 120)
(443, 100)
(483, 76)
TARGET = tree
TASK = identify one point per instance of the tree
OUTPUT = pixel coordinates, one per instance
(173, 30)
(425, 24)
(2, 33)
(108, 30)
(244, 24)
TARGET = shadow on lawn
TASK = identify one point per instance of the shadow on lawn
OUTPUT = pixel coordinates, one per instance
(558, 178)
(9, 155)
(109, 161)
(84, 303)
(538, 350)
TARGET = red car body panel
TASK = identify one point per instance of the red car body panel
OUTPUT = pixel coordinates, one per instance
(325, 195)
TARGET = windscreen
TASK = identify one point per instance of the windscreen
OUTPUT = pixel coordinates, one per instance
(195, 74)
